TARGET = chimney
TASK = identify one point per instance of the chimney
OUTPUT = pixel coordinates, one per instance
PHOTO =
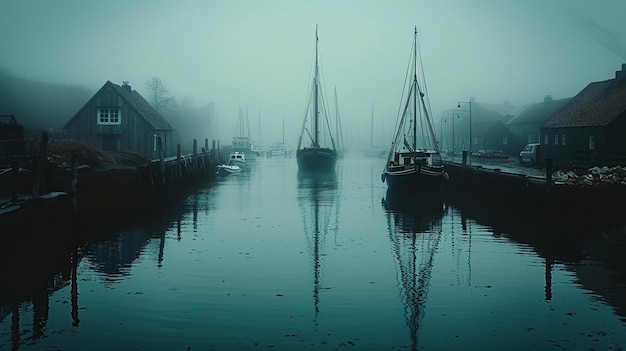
(126, 86)
(619, 75)
(547, 98)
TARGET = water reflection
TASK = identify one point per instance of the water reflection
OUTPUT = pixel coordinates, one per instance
(591, 250)
(31, 272)
(318, 202)
(30, 275)
(415, 230)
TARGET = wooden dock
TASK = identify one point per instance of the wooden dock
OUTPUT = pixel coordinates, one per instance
(533, 195)
(91, 196)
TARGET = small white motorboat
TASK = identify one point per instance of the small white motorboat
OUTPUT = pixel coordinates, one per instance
(237, 159)
(225, 170)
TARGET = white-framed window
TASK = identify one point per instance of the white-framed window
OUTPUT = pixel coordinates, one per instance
(546, 139)
(109, 115)
(531, 138)
(563, 139)
(505, 141)
(556, 139)
(592, 142)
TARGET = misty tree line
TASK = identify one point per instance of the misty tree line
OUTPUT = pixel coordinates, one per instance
(44, 106)
(40, 105)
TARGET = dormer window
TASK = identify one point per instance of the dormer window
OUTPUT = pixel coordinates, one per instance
(109, 115)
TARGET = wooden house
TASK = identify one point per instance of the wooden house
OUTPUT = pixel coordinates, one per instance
(590, 130)
(493, 136)
(527, 123)
(118, 118)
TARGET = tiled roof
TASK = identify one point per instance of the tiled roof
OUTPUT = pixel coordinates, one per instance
(143, 107)
(539, 112)
(597, 104)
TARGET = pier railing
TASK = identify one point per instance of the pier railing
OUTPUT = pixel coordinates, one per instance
(170, 173)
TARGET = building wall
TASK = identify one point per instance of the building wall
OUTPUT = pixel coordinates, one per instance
(576, 152)
(134, 133)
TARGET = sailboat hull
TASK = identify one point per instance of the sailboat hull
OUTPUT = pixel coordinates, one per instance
(420, 179)
(316, 159)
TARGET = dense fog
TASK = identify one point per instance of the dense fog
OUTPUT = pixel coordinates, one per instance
(219, 57)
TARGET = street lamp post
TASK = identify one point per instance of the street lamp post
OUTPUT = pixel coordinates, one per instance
(445, 120)
(470, 126)
(454, 140)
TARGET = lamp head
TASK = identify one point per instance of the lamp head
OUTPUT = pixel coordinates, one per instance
(458, 105)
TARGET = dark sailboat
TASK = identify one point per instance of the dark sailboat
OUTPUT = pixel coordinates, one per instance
(315, 157)
(414, 164)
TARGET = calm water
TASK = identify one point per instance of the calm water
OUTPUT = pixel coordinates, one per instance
(273, 261)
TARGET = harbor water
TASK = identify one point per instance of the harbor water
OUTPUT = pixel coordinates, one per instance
(272, 260)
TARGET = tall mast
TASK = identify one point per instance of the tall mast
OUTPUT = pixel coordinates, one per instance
(415, 89)
(372, 128)
(316, 92)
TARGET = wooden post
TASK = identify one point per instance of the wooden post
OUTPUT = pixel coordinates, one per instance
(40, 162)
(161, 160)
(43, 153)
(73, 182)
(35, 176)
(549, 171)
(206, 144)
(195, 147)
(15, 170)
(178, 175)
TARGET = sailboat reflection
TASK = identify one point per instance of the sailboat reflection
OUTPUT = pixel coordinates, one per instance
(318, 202)
(414, 226)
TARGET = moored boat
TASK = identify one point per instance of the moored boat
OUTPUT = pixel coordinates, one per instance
(315, 157)
(225, 170)
(414, 162)
(237, 159)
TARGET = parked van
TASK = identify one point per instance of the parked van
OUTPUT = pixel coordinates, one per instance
(530, 154)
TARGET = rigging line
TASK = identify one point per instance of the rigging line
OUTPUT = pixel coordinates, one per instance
(407, 76)
(306, 112)
(324, 93)
(426, 104)
(308, 94)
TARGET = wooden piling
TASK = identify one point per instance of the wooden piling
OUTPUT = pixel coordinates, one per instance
(73, 182)
(40, 162)
(15, 171)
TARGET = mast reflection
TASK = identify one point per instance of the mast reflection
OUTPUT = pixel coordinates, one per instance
(317, 199)
(414, 225)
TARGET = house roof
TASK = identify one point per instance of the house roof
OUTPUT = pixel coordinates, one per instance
(598, 104)
(138, 103)
(149, 113)
(8, 120)
(539, 112)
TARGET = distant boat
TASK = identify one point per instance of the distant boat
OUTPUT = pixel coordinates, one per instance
(414, 163)
(241, 142)
(374, 151)
(279, 149)
(315, 157)
(225, 170)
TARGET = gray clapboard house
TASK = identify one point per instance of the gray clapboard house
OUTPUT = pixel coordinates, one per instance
(118, 118)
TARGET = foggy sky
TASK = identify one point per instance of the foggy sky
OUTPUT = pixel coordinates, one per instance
(238, 53)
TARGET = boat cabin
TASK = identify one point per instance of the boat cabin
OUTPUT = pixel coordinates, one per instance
(421, 157)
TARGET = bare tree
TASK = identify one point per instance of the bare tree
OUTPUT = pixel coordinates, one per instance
(159, 97)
